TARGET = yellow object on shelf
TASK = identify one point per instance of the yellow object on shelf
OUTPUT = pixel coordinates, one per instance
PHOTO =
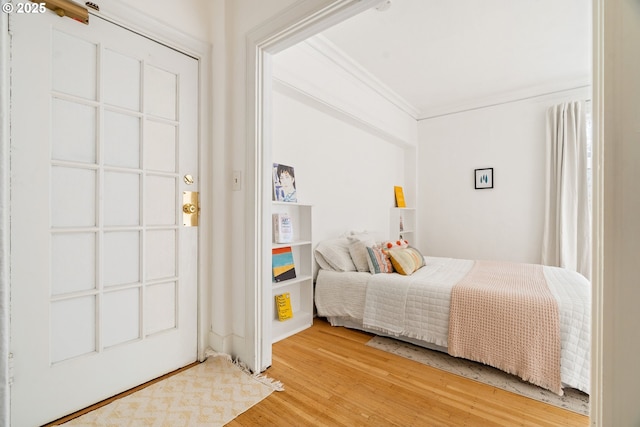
(399, 197)
(283, 305)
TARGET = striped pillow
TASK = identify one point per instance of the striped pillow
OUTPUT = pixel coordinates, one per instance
(406, 260)
(378, 261)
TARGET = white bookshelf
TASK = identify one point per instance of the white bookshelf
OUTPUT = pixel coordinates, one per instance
(300, 288)
(403, 224)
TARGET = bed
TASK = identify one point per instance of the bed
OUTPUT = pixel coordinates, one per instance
(428, 308)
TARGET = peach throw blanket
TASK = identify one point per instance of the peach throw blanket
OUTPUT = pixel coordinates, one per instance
(504, 315)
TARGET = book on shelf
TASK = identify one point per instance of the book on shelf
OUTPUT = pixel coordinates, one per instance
(283, 305)
(282, 263)
(399, 192)
(282, 228)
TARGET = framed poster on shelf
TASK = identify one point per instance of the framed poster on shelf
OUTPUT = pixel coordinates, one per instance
(284, 183)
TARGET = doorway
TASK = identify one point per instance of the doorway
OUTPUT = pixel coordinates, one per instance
(265, 44)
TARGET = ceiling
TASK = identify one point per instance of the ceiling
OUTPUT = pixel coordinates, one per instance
(438, 54)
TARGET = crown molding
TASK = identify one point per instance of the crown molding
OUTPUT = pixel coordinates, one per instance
(329, 50)
(333, 53)
(550, 88)
(331, 109)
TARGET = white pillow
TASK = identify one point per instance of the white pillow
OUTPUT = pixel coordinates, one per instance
(321, 261)
(358, 249)
(334, 255)
(359, 255)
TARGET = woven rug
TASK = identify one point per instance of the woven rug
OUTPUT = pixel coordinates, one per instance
(573, 400)
(209, 394)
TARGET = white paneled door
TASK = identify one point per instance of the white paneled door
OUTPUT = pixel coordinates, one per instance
(103, 272)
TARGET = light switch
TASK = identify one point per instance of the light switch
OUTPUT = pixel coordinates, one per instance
(236, 183)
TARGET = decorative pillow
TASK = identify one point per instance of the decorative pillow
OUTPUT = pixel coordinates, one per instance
(379, 261)
(334, 255)
(359, 255)
(397, 244)
(406, 260)
(358, 249)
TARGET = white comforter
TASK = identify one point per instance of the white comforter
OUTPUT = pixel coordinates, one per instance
(417, 307)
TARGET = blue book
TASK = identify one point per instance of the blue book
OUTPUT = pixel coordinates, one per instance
(283, 266)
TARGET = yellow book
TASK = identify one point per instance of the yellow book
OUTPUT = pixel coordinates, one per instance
(283, 305)
(399, 197)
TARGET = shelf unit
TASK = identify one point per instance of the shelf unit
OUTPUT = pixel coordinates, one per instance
(403, 224)
(300, 288)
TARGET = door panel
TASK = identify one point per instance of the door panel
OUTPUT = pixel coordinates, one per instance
(121, 80)
(121, 139)
(69, 141)
(161, 102)
(103, 274)
(74, 65)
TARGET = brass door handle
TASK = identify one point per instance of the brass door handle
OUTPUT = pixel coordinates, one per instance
(189, 208)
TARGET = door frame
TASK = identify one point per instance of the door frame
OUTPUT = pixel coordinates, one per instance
(147, 26)
(5, 232)
(299, 22)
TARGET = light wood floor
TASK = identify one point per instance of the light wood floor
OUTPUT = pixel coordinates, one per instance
(332, 378)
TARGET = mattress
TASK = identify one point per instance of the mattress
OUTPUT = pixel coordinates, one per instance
(342, 297)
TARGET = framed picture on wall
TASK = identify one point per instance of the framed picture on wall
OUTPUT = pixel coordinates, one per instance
(484, 178)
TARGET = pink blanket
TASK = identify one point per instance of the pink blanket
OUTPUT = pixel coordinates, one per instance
(504, 315)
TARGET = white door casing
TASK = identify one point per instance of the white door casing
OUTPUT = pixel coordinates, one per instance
(103, 273)
(299, 22)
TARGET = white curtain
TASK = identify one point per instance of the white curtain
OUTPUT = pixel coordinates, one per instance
(567, 226)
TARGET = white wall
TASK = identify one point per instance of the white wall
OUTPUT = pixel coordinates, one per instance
(232, 269)
(192, 17)
(505, 222)
(349, 132)
(322, 71)
(345, 172)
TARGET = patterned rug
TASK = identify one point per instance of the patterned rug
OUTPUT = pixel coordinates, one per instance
(573, 400)
(209, 394)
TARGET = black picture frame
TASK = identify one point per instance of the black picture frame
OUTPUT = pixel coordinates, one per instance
(483, 178)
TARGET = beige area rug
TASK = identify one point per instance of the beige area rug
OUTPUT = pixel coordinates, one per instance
(209, 394)
(573, 400)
